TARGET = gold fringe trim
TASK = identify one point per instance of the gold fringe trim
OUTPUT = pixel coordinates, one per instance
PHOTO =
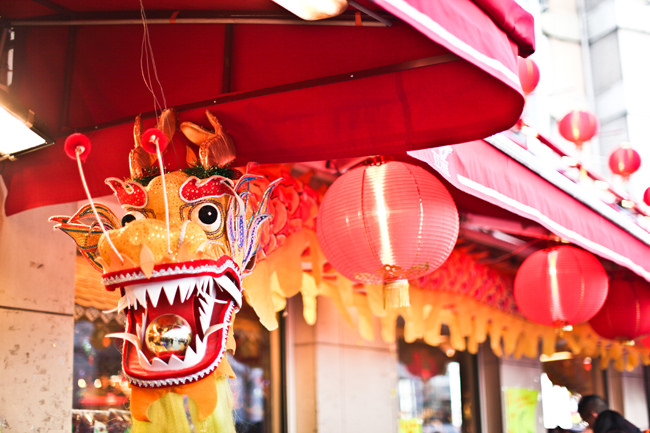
(469, 320)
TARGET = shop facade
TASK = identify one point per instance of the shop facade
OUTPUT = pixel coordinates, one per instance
(336, 362)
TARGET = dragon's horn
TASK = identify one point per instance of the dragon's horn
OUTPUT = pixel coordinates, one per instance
(215, 148)
(141, 161)
(167, 123)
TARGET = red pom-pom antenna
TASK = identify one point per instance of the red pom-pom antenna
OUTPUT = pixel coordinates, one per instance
(77, 147)
(77, 144)
(154, 138)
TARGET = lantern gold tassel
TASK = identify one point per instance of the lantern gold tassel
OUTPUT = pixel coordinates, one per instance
(396, 294)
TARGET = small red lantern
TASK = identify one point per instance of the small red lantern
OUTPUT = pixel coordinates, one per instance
(646, 196)
(528, 75)
(578, 127)
(624, 161)
(625, 315)
(560, 286)
(387, 223)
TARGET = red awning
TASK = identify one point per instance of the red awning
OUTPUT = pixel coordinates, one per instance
(284, 92)
(502, 173)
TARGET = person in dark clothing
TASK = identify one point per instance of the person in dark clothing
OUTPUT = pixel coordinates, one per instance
(589, 407)
(610, 421)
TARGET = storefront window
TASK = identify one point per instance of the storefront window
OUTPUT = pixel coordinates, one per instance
(252, 363)
(97, 379)
(565, 378)
(435, 388)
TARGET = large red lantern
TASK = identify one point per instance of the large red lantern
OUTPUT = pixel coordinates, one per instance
(560, 286)
(624, 161)
(385, 224)
(578, 126)
(625, 315)
(528, 74)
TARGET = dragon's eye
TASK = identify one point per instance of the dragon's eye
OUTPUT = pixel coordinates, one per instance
(131, 216)
(208, 216)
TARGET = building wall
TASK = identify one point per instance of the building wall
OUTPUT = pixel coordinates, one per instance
(36, 322)
(619, 34)
(626, 394)
(338, 382)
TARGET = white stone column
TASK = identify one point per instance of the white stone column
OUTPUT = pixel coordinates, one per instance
(338, 382)
(36, 322)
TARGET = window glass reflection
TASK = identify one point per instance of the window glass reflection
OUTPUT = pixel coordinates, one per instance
(429, 389)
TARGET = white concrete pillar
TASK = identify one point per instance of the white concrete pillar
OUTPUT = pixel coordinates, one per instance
(337, 381)
(36, 322)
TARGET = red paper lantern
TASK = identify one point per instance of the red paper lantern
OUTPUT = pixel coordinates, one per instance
(624, 161)
(528, 75)
(645, 341)
(646, 196)
(578, 126)
(625, 315)
(560, 286)
(385, 223)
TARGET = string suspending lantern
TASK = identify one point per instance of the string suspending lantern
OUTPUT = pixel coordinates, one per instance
(386, 223)
(528, 74)
(560, 286)
(625, 315)
(624, 161)
(578, 127)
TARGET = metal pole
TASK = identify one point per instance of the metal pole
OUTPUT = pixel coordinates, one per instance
(154, 21)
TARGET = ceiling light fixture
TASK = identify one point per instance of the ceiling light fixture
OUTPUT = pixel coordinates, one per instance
(311, 10)
(19, 132)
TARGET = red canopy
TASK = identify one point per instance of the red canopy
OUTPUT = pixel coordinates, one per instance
(285, 92)
(502, 173)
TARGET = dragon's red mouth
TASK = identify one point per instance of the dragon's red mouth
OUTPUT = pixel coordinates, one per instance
(198, 297)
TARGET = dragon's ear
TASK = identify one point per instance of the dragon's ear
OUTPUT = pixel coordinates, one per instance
(85, 231)
(215, 148)
(141, 162)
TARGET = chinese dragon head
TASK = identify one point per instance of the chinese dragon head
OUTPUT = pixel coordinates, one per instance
(177, 257)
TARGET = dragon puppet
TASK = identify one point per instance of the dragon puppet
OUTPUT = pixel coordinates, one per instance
(177, 257)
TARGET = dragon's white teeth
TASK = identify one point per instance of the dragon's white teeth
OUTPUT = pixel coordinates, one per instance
(159, 364)
(212, 289)
(228, 285)
(185, 286)
(129, 298)
(122, 304)
(200, 347)
(170, 288)
(175, 363)
(191, 357)
(140, 294)
(141, 329)
(144, 362)
(154, 295)
(207, 305)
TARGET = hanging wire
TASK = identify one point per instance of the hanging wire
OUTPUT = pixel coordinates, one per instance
(148, 66)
